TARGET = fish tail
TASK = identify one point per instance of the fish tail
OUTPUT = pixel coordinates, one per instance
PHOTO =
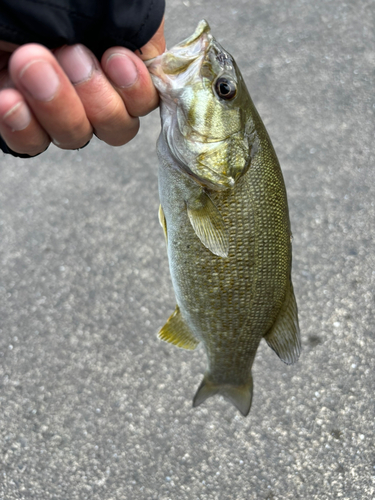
(239, 395)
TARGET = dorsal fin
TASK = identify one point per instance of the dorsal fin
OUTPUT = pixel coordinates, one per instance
(177, 332)
(284, 336)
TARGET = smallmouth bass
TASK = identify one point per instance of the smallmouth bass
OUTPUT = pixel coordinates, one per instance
(224, 211)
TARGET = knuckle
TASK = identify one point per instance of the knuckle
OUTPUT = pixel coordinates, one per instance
(146, 106)
(122, 136)
(73, 143)
(110, 112)
(132, 131)
(31, 148)
(38, 150)
(75, 135)
(141, 101)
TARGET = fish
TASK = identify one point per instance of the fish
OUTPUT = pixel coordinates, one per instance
(224, 212)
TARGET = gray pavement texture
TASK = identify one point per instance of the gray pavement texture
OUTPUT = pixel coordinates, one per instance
(92, 404)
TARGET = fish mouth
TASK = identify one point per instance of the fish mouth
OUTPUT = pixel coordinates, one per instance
(172, 63)
(202, 31)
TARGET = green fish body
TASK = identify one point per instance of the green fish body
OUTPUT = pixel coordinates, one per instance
(225, 215)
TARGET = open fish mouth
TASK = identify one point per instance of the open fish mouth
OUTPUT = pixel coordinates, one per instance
(174, 62)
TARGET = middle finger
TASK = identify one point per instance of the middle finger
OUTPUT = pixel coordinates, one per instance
(103, 105)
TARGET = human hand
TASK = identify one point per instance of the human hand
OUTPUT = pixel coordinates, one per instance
(65, 95)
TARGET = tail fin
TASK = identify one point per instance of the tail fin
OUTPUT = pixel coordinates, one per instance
(239, 395)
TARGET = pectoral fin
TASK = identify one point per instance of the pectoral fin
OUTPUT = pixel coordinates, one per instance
(208, 224)
(284, 336)
(163, 223)
(177, 332)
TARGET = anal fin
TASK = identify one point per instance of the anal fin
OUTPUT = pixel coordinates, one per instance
(177, 332)
(284, 336)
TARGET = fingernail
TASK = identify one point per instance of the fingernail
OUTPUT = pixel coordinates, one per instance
(18, 117)
(121, 70)
(40, 80)
(76, 62)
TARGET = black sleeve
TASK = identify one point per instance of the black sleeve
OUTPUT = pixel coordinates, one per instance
(94, 23)
(98, 24)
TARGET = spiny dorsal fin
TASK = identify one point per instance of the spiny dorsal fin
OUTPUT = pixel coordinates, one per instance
(163, 223)
(240, 396)
(208, 224)
(177, 332)
(284, 336)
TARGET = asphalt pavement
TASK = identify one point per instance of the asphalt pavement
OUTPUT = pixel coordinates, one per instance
(92, 404)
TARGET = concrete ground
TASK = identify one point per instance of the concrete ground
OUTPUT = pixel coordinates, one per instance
(92, 404)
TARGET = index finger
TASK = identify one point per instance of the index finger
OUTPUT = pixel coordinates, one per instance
(132, 80)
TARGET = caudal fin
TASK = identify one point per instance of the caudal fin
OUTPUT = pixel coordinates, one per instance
(239, 395)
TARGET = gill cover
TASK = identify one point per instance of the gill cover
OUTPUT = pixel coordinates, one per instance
(203, 96)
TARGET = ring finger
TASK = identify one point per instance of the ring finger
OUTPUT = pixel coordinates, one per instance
(103, 105)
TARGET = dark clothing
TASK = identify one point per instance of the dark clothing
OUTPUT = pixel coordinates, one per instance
(97, 24)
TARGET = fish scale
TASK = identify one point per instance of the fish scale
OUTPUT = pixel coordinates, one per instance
(225, 216)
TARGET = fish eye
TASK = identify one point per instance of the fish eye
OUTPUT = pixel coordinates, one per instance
(225, 88)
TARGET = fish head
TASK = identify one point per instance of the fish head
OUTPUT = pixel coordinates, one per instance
(204, 109)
